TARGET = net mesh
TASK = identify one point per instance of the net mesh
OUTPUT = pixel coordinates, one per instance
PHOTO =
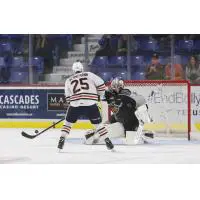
(169, 105)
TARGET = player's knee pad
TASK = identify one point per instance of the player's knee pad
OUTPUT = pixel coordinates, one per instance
(142, 114)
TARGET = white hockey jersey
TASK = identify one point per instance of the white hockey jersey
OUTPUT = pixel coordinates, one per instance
(82, 89)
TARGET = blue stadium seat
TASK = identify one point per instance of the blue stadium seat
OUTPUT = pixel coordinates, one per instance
(138, 68)
(17, 36)
(39, 63)
(11, 36)
(18, 77)
(137, 63)
(17, 61)
(6, 47)
(177, 59)
(106, 76)
(196, 45)
(141, 37)
(122, 75)
(148, 45)
(22, 68)
(114, 42)
(163, 60)
(185, 45)
(185, 60)
(137, 60)
(117, 60)
(138, 76)
(100, 61)
(2, 64)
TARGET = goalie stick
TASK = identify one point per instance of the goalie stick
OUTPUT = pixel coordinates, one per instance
(33, 136)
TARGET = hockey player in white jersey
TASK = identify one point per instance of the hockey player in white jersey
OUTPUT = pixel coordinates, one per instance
(130, 113)
(82, 91)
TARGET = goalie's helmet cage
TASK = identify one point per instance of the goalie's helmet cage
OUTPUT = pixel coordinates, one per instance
(117, 84)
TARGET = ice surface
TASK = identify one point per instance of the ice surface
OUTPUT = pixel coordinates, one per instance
(16, 149)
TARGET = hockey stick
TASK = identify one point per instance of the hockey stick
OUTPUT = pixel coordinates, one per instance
(33, 136)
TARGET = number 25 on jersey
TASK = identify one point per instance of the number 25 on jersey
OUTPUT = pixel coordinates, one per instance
(79, 84)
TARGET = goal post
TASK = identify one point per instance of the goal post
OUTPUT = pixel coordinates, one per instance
(169, 103)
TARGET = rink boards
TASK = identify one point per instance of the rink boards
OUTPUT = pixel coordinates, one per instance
(24, 123)
(40, 107)
(36, 107)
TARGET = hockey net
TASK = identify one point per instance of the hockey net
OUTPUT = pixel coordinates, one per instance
(169, 105)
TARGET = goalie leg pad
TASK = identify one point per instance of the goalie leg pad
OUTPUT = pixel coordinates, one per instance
(139, 138)
(134, 137)
(130, 137)
(116, 130)
(142, 114)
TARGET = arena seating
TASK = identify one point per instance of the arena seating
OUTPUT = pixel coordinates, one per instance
(137, 60)
(138, 76)
(163, 60)
(106, 76)
(107, 67)
(196, 47)
(185, 45)
(100, 61)
(148, 45)
(119, 61)
(38, 62)
(18, 61)
(19, 77)
(2, 64)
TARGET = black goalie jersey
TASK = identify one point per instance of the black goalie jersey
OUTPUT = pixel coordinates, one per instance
(123, 107)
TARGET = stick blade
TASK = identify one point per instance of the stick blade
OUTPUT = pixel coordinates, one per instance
(27, 135)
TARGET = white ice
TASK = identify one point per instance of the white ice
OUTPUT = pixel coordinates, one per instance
(16, 149)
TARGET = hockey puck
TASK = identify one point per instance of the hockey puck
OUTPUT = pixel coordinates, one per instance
(36, 131)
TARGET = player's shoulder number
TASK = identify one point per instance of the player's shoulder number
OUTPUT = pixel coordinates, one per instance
(80, 83)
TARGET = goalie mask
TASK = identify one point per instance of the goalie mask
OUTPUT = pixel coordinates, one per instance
(117, 84)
